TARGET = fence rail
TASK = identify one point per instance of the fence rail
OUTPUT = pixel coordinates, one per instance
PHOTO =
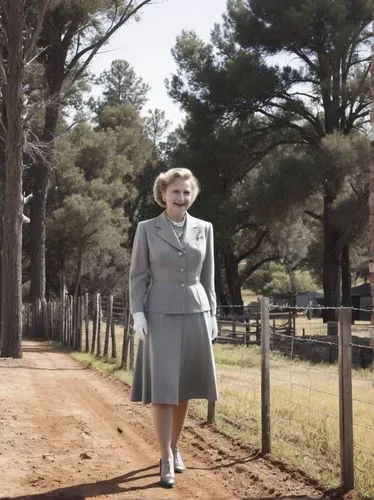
(101, 326)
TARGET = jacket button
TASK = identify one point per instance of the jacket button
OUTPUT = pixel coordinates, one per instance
(180, 254)
(181, 269)
(182, 285)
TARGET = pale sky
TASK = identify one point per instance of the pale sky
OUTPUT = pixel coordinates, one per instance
(147, 44)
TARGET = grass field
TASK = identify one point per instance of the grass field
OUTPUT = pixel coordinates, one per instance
(304, 409)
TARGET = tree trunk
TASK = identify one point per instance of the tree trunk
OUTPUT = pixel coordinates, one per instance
(78, 271)
(331, 262)
(57, 39)
(220, 291)
(40, 176)
(233, 282)
(291, 275)
(78, 340)
(11, 286)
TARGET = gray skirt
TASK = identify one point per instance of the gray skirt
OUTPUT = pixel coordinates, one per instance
(175, 362)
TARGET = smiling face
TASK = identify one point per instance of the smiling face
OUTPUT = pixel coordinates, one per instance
(178, 198)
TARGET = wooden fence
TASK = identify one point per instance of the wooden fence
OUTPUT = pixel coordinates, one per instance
(78, 323)
(246, 328)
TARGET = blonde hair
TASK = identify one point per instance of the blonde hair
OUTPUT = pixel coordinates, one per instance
(164, 180)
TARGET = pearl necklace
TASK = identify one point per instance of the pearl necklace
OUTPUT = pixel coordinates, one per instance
(177, 224)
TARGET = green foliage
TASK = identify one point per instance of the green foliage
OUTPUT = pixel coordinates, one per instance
(360, 258)
(269, 142)
(81, 232)
(285, 180)
(95, 196)
(296, 25)
(291, 178)
(122, 86)
(275, 279)
(157, 125)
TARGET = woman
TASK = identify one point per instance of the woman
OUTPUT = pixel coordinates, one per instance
(173, 304)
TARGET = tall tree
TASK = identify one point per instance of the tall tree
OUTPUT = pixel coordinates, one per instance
(222, 149)
(72, 34)
(328, 93)
(101, 165)
(296, 180)
(121, 85)
(16, 46)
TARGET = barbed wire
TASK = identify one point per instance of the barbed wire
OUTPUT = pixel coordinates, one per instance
(287, 306)
(310, 368)
(363, 426)
(360, 379)
(316, 341)
(306, 387)
(306, 407)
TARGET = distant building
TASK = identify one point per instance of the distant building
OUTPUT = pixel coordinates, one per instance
(309, 298)
(361, 299)
(360, 295)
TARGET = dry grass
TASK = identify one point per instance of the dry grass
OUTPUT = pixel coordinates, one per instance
(304, 412)
(315, 326)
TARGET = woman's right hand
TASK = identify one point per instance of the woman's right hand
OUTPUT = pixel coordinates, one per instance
(140, 325)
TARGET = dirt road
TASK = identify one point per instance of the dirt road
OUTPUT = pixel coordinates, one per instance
(68, 432)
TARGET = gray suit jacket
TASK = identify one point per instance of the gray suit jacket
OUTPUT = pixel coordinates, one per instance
(172, 276)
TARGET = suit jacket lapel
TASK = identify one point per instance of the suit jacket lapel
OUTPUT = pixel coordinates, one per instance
(165, 231)
(190, 231)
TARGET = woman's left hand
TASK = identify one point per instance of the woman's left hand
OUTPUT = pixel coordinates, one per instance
(214, 327)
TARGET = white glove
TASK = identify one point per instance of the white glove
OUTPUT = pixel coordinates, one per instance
(214, 326)
(140, 325)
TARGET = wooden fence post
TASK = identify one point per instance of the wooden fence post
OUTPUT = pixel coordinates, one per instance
(66, 325)
(345, 399)
(44, 309)
(71, 320)
(234, 327)
(95, 323)
(86, 321)
(126, 331)
(113, 336)
(79, 322)
(98, 319)
(74, 321)
(131, 353)
(211, 418)
(109, 316)
(265, 376)
(62, 316)
(52, 319)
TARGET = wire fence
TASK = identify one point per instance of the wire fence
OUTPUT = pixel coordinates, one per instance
(290, 384)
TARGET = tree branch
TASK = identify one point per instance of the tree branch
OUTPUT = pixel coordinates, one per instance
(34, 37)
(2, 67)
(313, 215)
(260, 263)
(245, 254)
(94, 47)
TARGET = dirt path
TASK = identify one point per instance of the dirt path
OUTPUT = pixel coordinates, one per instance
(68, 432)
